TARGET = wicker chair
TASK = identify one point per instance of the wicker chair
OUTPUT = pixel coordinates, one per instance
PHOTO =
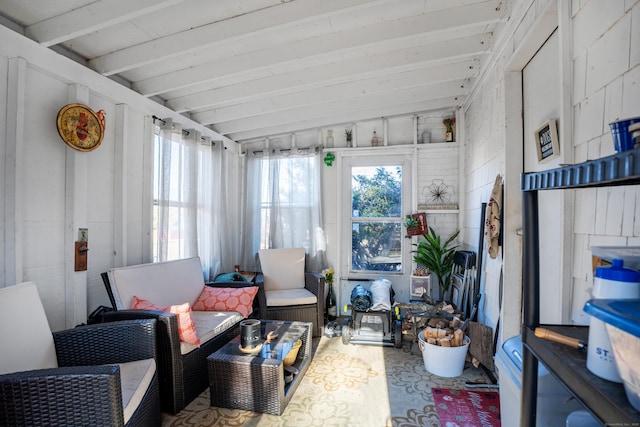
(291, 293)
(98, 375)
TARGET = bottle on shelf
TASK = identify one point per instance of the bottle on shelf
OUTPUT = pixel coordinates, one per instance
(329, 140)
(331, 304)
(374, 140)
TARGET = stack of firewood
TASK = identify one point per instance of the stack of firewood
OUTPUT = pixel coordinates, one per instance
(445, 333)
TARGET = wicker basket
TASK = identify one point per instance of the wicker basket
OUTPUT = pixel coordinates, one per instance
(290, 358)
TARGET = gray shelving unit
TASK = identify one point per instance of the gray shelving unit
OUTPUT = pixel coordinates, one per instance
(605, 400)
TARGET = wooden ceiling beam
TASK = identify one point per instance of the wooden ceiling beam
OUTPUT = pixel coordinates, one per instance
(457, 72)
(370, 113)
(349, 70)
(327, 48)
(386, 99)
(91, 18)
(238, 29)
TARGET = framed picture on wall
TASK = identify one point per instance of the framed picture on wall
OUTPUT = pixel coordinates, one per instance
(546, 138)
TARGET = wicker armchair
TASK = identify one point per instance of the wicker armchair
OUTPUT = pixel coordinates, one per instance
(291, 293)
(79, 376)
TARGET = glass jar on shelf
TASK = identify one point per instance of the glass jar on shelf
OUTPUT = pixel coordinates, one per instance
(328, 143)
(374, 140)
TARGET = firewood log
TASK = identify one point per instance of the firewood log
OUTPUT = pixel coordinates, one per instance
(430, 332)
(445, 342)
(458, 337)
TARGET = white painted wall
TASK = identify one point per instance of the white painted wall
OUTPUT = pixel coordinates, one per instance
(600, 78)
(606, 87)
(48, 190)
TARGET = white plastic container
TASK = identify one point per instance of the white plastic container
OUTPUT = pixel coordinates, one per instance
(614, 282)
(443, 361)
(622, 318)
(581, 418)
(604, 255)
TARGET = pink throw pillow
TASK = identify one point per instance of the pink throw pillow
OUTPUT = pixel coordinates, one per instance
(186, 327)
(226, 299)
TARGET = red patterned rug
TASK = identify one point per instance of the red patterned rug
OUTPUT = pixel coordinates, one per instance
(467, 408)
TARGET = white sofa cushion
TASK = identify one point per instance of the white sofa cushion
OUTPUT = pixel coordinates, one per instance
(27, 339)
(210, 324)
(289, 297)
(165, 283)
(282, 268)
(135, 378)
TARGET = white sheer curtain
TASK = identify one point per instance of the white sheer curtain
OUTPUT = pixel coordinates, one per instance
(283, 204)
(222, 235)
(185, 190)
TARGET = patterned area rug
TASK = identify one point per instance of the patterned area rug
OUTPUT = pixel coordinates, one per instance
(467, 408)
(346, 385)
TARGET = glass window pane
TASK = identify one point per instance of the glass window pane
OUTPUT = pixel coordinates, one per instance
(376, 211)
(376, 191)
(376, 246)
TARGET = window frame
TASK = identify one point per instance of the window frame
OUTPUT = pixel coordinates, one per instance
(346, 219)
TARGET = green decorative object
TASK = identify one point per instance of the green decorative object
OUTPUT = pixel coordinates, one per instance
(329, 158)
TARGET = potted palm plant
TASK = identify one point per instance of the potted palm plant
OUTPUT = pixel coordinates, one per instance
(437, 256)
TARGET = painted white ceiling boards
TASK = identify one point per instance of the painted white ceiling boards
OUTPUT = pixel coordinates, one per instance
(251, 69)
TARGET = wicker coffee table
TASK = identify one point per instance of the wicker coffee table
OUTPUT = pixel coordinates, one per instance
(253, 383)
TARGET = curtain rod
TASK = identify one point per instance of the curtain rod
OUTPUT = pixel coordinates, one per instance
(184, 132)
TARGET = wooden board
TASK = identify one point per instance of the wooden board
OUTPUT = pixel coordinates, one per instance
(481, 346)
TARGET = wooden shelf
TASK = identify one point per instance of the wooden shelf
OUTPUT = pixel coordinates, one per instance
(440, 211)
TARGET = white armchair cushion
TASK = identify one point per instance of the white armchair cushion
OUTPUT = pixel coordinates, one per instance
(135, 378)
(290, 297)
(28, 342)
(282, 269)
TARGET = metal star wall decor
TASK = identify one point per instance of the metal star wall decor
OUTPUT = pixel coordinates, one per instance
(438, 192)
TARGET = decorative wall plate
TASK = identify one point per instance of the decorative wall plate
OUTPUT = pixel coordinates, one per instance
(80, 127)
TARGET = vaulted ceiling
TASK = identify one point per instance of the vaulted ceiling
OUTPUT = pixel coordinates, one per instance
(249, 69)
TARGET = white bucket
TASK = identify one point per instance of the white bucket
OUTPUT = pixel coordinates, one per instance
(443, 361)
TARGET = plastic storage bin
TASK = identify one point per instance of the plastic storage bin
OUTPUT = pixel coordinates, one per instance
(622, 319)
(554, 404)
(604, 255)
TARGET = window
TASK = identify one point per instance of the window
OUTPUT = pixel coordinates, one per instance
(283, 204)
(376, 202)
(174, 202)
(186, 184)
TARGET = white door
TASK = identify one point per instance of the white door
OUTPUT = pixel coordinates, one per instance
(375, 196)
(541, 93)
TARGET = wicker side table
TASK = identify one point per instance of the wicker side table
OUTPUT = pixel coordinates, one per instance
(253, 383)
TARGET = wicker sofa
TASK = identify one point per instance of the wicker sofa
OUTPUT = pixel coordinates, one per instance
(182, 367)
